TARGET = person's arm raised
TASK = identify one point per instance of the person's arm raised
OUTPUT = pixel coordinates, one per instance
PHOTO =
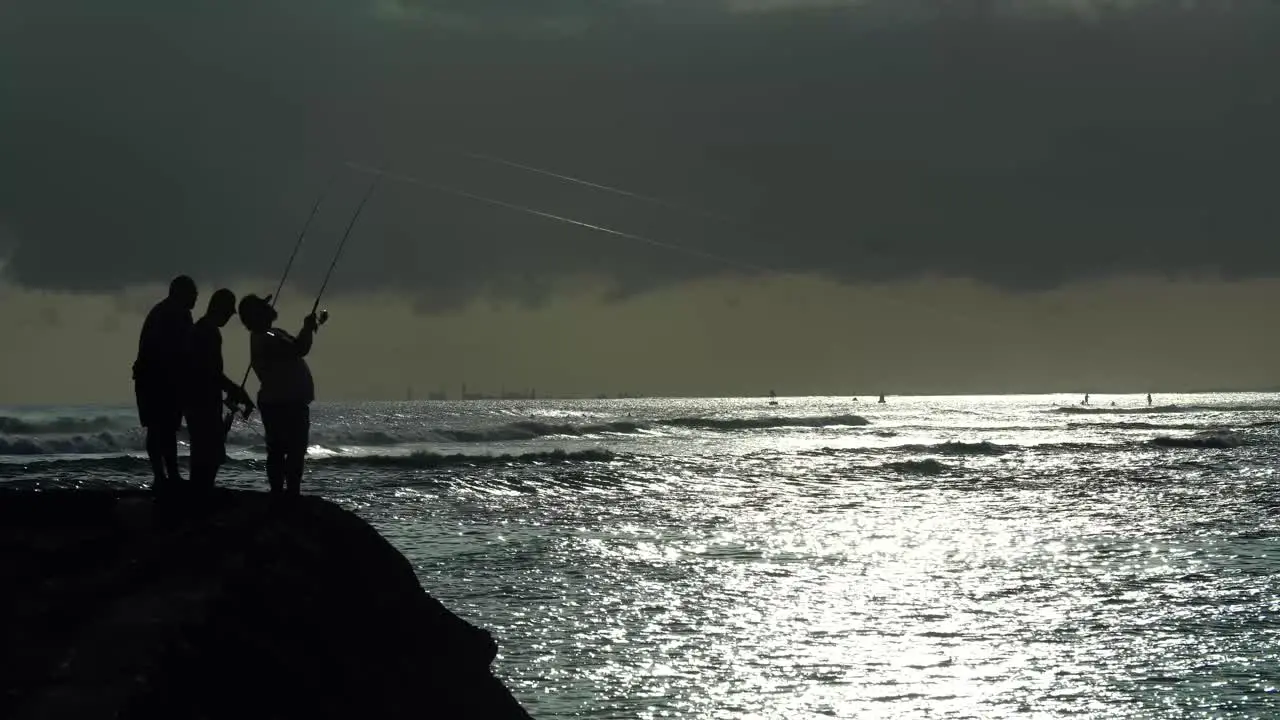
(307, 335)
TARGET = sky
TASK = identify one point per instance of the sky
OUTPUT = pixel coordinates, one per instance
(856, 197)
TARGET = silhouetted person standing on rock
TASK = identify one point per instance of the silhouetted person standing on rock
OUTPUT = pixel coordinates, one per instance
(285, 390)
(159, 375)
(207, 386)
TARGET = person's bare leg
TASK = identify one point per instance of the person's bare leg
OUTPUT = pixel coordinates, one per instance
(155, 453)
(171, 456)
(300, 437)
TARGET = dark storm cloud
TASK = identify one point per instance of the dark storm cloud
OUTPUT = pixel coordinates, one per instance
(870, 142)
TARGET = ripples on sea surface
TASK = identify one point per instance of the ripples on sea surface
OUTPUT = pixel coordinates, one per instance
(977, 557)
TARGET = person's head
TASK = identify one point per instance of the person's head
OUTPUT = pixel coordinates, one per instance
(182, 290)
(222, 305)
(256, 313)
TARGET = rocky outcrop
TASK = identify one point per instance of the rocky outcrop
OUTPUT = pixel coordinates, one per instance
(125, 605)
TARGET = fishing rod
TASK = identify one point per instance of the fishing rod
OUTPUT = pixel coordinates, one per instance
(342, 244)
(558, 218)
(275, 296)
(297, 246)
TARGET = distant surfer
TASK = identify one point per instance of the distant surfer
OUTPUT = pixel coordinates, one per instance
(1148, 399)
(285, 390)
(1086, 399)
(207, 386)
(159, 374)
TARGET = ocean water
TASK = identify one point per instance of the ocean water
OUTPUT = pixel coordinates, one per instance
(948, 557)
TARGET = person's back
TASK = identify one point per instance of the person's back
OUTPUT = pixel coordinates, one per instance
(162, 345)
(279, 361)
(160, 375)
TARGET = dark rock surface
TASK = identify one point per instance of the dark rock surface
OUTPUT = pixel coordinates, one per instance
(124, 605)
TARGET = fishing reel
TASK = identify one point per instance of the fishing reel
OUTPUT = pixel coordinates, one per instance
(322, 316)
(244, 410)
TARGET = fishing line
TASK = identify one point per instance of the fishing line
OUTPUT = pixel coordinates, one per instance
(598, 186)
(558, 218)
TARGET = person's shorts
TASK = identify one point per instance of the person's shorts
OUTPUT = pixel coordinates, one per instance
(207, 432)
(159, 408)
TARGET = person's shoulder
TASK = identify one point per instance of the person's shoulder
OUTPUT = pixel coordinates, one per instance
(170, 312)
(204, 327)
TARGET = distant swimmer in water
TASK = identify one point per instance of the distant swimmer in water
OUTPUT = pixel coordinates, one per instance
(285, 390)
(159, 376)
(1148, 399)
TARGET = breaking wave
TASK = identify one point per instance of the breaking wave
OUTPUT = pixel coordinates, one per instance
(10, 425)
(983, 447)
(928, 466)
(765, 422)
(53, 437)
(1217, 439)
(980, 448)
(135, 464)
(1134, 425)
(534, 429)
(1158, 409)
(521, 430)
(101, 443)
(426, 460)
